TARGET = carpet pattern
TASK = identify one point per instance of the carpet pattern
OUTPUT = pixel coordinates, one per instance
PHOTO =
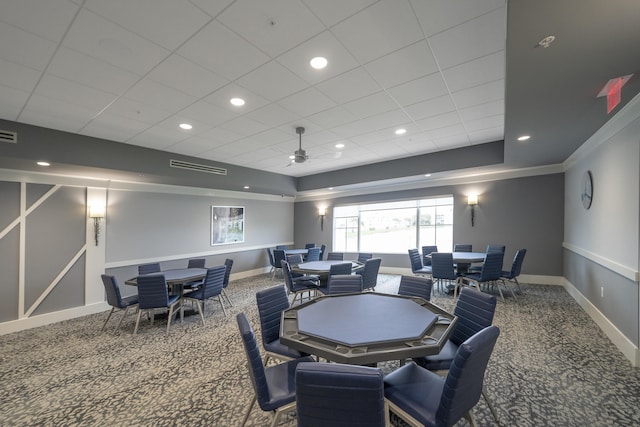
(552, 366)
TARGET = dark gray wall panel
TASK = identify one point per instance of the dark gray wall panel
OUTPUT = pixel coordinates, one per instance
(10, 203)
(34, 192)
(68, 293)
(55, 232)
(9, 258)
(519, 213)
(620, 301)
(143, 225)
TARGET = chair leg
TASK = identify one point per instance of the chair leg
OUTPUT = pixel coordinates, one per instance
(472, 420)
(108, 317)
(126, 310)
(226, 297)
(518, 284)
(486, 399)
(248, 411)
(135, 330)
(221, 301)
(510, 289)
(200, 312)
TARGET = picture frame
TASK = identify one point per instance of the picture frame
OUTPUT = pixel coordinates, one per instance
(227, 225)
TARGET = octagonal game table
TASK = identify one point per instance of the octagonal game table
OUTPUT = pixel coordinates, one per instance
(365, 328)
(321, 268)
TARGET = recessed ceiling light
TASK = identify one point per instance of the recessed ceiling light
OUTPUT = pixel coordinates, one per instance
(401, 131)
(318, 62)
(246, 187)
(427, 175)
(330, 188)
(41, 163)
(339, 145)
(292, 157)
(523, 137)
(238, 102)
(185, 126)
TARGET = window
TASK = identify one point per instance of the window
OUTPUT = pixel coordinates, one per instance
(394, 227)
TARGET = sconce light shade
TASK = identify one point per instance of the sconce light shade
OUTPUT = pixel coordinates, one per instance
(321, 213)
(96, 211)
(472, 199)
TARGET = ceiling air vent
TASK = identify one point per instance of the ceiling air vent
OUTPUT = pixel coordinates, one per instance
(7, 136)
(196, 167)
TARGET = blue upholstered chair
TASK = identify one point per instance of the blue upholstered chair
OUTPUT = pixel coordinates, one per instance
(370, 273)
(362, 258)
(196, 263)
(415, 286)
(462, 247)
(115, 300)
(228, 263)
(279, 255)
(344, 284)
(487, 277)
(281, 247)
(272, 262)
(273, 386)
(343, 268)
(442, 268)
(271, 303)
(424, 398)
(323, 248)
(490, 248)
(516, 268)
(336, 395)
(153, 267)
(298, 286)
(426, 251)
(152, 294)
(416, 264)
(309, 245)
(313, 255)
(212, 287)
(335, 256)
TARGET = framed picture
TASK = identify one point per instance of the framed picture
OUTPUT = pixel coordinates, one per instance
(227, 225)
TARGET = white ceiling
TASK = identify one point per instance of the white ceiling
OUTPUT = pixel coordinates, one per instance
(132, 70)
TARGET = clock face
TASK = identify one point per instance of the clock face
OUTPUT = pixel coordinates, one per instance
(587, 190)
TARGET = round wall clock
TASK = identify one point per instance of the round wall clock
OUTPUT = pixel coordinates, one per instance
(587, 190)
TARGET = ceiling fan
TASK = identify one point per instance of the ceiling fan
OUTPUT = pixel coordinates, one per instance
(300, 155)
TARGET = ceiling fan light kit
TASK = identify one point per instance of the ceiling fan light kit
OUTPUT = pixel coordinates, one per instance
(300, 155)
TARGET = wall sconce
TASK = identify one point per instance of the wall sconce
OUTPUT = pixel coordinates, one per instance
(97, 213)
(321, 213)
(472, 200)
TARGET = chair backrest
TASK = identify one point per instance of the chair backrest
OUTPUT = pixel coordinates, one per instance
(492, 266)
(281, 247)
(496, 248)
(271, 260)
(309, 245)
(462, 248)
(279, 255)
(344, 284)
(335, 256)
(340, 268)
(288, 277)
(332, 394)
(213, 281)
(152, 291)
(442, 266)
(475, 311)
(153, 267)
(114, 298)
(196, 263)
(463, 385)
(516, 267)
(364, 256)
(415, 286)
(271, 302)
(426, 250)
(322, 249)
(370, 273)
(313, 254)
(256, 368)
(415, 260)
(294, 259)
(228, 263)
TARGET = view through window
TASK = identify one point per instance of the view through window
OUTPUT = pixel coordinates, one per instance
(394, 227)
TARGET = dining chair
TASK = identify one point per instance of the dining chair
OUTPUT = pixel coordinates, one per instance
(271, 303)
(212, 287)
(424, 398)
(442, 269)
(196, 263)
(281, 247)
(274, 386)
(153, 294)
(115, 300)
(490, 248)
(475, 311)
(300, 285)
(309, 245)
(487, 277)
(343, 268)
(370, 273)
(323, 248)
(313, 255)
(344, 284)
(153, 267)
(426, 251)
(335, 256)
(462, 247)
(415, 286)
(516, 268)
(228, 263)
(338, 395)
(416, 264)
(272, 262)
(279, 255)
(362, 258)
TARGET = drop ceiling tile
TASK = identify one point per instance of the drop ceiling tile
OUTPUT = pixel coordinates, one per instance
(325, 45)
(479, 94)
(307, 102)
(272, 81)
(424, 88)
(151, 93)
(172, 123)
(487, 109)
(17, 76)
(222, 96)
(389, 119)
(273, 115)
(56, 114)
(25, 48)
(484, 123)
(370, 105)
(113, 128)
(473, 39)
(244, 126)
(222, 51)
(219, 136)
(446, 131)
(157, 137)
(274, 26)
(331, 117)
(51, 20)
(12, 102)
(149, 18)
(431, 107)
(271, 136)
(330, 12)
(102, 39)
(487, 135)
(449, 142)
(208, 114)
(135, 110)
(84, 69)
(474, 73)
(190, 147)
(441, 120)
(212, 8)
(438, 15)
(187, 77)
(380, 29)
(72, 93)
(349, 86)
(403, 65)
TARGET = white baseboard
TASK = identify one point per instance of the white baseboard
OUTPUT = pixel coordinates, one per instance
(541, 280)
(46, 319)
(249, 273)
(628, 349)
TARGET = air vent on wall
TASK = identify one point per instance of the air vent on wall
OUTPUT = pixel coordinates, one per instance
(196, 167)
(8, 136)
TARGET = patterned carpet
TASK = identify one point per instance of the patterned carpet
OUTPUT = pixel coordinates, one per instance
(552, 366)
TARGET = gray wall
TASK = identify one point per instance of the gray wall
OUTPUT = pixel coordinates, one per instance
(519, 213)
